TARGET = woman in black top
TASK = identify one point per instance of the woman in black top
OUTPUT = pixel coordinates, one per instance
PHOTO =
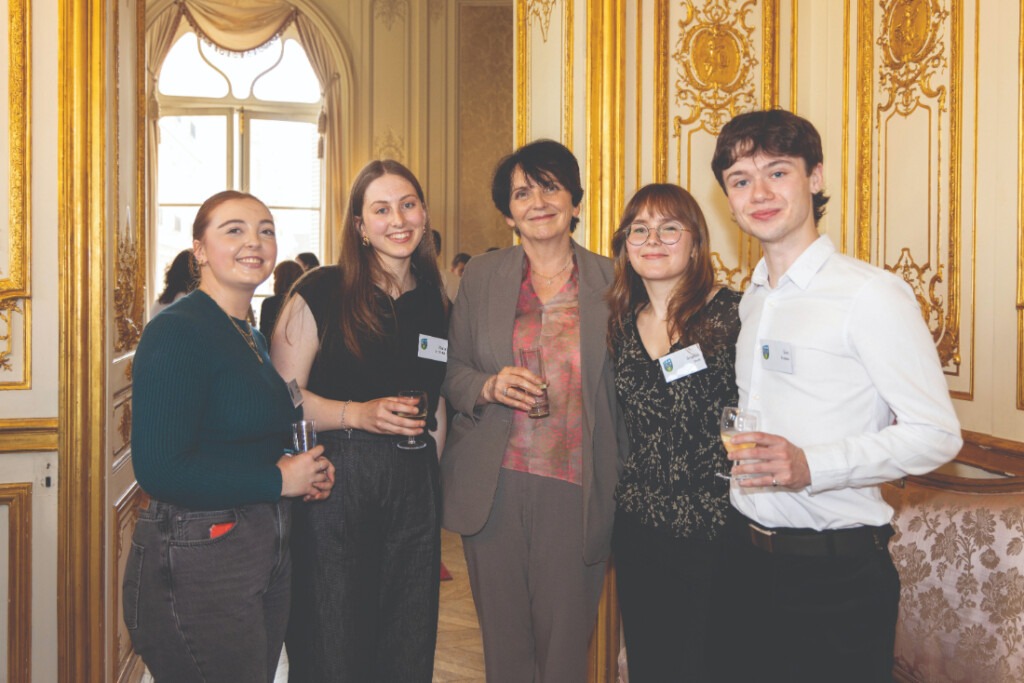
(672, 332)
(366, 568)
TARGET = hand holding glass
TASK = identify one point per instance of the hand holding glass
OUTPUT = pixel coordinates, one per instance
(533, 360)
(303, 435)
(413, 412)
(735, 421)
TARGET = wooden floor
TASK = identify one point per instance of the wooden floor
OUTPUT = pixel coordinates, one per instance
(460, 653)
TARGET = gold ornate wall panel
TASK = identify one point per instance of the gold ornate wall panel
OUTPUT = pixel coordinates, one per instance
(391, 83)
(15, 231)
(924, 118)
(128, 102)
(544, 70)
(123, 516)
(1020, 213)
(16, 500)
(720, 58)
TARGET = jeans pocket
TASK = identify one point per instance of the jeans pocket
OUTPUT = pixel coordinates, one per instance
(206, 526)
(131, 586)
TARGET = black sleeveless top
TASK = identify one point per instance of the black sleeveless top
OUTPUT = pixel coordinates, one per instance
(388, 364)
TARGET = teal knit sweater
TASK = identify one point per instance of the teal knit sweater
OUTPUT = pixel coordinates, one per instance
(209, 421)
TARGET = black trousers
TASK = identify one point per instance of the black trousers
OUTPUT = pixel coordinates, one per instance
(366, 566)
(795, 619)
(667, 599)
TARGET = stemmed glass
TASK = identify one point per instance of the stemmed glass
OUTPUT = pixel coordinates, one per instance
(733, 422)
(419, 412)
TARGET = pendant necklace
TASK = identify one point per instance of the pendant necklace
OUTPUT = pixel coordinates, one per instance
(249, 340)
(551, 278)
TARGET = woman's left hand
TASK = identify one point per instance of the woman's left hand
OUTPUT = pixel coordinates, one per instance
(513, 386)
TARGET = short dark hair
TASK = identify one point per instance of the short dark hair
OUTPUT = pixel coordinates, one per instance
(461, 257)
(308, 260)
(770, 131)
(542, 161)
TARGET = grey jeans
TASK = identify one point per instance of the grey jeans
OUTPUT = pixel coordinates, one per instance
(209, 609)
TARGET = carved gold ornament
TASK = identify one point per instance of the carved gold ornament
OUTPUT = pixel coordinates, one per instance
(912, 53)
(714, 58)
(389, 10)
(8, 308)
(540, 10)
(925, 286)
(129, 307)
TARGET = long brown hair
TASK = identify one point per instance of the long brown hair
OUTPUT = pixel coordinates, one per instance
(362, 308)
(628, 294)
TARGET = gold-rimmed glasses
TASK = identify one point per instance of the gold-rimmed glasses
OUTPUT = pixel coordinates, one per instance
(669, 233)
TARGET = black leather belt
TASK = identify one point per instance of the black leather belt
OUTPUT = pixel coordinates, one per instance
(809, 543)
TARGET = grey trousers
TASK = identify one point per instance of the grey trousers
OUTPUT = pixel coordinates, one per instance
(535, 598)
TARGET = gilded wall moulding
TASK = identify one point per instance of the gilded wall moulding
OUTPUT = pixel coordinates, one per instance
(734, 278)
(912, 53)
(715, 58)
(17, 498)
(926, 285)
(389, 146)
(540, 10)
(8, 309)
(129, 307)
(390, 10)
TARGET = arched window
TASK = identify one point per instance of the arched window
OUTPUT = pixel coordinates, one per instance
(246, 121)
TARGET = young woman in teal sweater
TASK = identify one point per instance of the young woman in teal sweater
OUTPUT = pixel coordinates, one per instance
(207, 582)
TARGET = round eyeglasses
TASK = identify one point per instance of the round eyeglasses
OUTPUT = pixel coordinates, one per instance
(668, 233)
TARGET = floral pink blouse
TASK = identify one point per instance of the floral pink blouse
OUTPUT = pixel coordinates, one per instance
(551, 446)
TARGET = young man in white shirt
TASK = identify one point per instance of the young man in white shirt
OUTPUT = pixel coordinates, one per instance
(835, 357)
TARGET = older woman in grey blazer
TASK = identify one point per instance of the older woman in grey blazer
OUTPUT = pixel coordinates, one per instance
(532, 497)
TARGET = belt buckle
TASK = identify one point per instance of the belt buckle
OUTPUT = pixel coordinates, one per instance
(762, 538)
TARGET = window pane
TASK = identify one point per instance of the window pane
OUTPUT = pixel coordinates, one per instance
(242, 68)
(293, 80)
(283, 167)
(192, 158)
(185, 73)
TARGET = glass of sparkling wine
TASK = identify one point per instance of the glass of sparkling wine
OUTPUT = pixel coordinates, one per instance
(733, 422)
(414, 412)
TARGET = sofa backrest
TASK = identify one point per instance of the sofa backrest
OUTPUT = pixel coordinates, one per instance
(959, 549)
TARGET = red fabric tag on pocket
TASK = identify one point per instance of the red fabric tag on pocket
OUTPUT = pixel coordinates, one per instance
(217, 530)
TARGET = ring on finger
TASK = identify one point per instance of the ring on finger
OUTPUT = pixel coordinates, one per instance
(506, 391)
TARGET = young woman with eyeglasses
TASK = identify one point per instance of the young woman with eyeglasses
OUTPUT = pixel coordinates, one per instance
(672, 334)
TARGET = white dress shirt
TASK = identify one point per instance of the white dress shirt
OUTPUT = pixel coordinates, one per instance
(864, 394)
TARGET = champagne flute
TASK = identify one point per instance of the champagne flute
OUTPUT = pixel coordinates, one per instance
(418, 412)
(733, 422)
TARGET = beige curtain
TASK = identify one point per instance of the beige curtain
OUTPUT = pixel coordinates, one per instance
(326, 68)
(237, 28)
(159, 39)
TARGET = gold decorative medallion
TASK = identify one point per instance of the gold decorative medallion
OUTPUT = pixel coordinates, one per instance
(714, 58)
(390, 10)
(926, 286)
(912, 52)
(389, 146)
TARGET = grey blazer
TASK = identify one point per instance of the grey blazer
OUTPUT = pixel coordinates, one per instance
(479, 345)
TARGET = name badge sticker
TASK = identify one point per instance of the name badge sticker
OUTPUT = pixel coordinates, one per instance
(777, 356)
(295, 393)
(432, 348)
(682, 363)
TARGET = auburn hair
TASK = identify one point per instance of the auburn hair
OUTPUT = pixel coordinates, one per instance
(627, 295)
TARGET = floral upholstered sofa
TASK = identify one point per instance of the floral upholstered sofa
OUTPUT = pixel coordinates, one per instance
(959, 549)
